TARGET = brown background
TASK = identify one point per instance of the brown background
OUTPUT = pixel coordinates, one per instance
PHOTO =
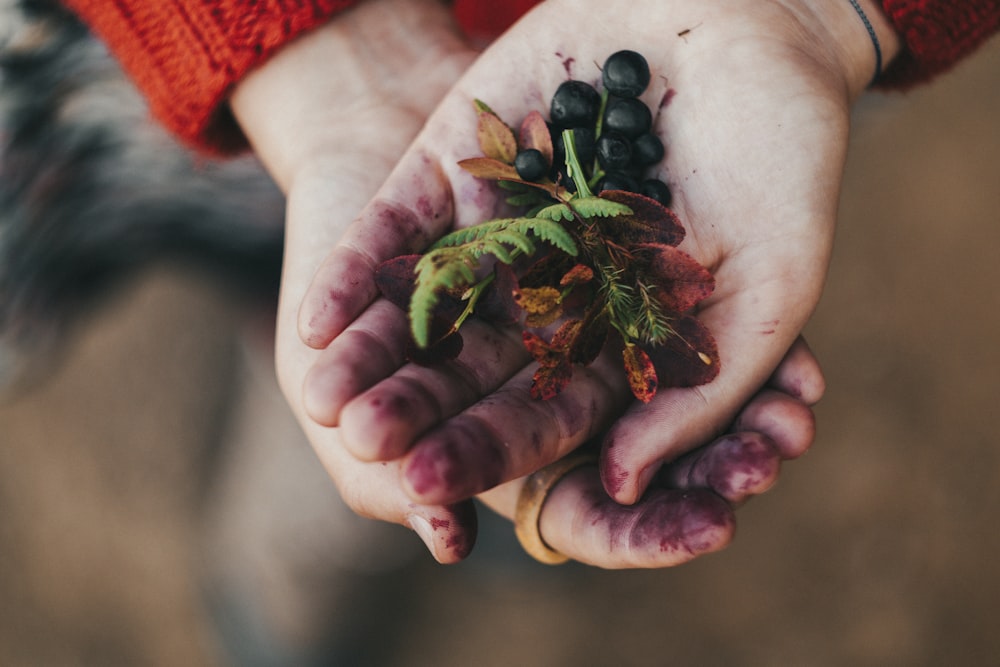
(877, 548)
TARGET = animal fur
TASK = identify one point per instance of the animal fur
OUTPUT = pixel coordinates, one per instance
(91, 189)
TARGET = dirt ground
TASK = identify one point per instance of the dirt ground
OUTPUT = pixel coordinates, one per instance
(877, 548)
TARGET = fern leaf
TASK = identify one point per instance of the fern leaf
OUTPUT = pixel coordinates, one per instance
(597, 207)
(556, 212)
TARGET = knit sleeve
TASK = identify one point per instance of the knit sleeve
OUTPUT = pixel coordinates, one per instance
(935, 35)
(186, 55)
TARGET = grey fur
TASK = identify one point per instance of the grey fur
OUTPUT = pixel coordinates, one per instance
(91, 189)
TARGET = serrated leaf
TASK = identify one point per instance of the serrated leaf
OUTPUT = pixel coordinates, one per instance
(599, 207)
(556, 212)
(496, 139)
(649, 222)
(578, 275)
(551, 232)
(437, 271)
(549, 381)
(543, 305)
(640, 372)
(534, 133)
(679, 282)
(687, 359)
(489, 168)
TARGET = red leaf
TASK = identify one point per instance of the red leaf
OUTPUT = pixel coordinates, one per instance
(641, 373)
(681, 281)
(395, 279)
(489, 168)
(497, 304)
(535, 134)
(689, 359)
(549, 381)
(650, 222)
(578, 275)
(496, 139)
(540, 349)
(590, 338)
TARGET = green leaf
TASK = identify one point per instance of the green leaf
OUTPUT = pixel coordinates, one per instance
(556, 212)
(598, 207)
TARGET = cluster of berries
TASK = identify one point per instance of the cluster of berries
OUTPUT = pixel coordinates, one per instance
(575, 270)
(612, 132)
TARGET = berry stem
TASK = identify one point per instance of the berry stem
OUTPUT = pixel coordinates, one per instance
(573, 165)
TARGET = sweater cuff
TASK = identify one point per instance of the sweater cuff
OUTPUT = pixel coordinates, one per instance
(935, 34)
(186, 55)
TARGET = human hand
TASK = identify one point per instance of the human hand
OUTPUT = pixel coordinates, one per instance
(755, 100)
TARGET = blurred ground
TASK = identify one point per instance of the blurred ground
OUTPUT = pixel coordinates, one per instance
(877, 548)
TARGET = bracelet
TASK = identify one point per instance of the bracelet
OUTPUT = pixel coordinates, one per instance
(871, 33)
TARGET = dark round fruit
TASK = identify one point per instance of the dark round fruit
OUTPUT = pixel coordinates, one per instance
(575, 104)
(626, 74)
(583, 139)
(656, 189)
(531, 165)
(617, 180)
(647, 150)
(614, 151)
(627, 115)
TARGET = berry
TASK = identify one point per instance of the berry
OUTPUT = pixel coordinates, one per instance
(656, 189)
(626, 74)
(627, 115)
(583, 139)
(647, 150)
(614, 151)
(575, 104)
(617, 180)
(530, 164)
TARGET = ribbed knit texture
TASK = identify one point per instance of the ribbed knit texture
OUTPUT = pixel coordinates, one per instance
(936, 34)
(186, 55)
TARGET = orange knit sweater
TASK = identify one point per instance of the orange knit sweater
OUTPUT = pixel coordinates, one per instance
(186, 55)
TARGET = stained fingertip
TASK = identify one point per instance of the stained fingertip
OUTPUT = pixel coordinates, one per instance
(735, 466)
(618, 476)
(678, 526)
(342, 288)
(449, 537)
(454, 462)
(799, 374)
(787, 422)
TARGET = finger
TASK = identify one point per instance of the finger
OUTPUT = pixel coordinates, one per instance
(736, 466)
(410, 210)
(365, 352)
(799, 374)
(754, 329)
(510, 434)
(372, 490)
(383, 422)
(666, 528)
(788, 423)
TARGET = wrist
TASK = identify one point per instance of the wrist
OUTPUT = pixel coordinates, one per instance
(393, 58)
(864, 41)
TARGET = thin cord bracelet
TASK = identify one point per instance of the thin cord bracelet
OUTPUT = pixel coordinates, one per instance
(871, 33)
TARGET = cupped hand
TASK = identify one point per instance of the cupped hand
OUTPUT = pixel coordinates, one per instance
(752, 101)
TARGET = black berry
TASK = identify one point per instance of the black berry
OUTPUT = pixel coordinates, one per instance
(656, 189)
(617, 180)
(647, 150)
(626, 74)
(614, 151)
(627, 115)
(575, 104)
(583, 140)
(530, 164)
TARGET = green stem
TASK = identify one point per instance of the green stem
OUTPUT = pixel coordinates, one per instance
(573, 165)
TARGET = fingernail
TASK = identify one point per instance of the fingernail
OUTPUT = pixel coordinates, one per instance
(422, 527)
